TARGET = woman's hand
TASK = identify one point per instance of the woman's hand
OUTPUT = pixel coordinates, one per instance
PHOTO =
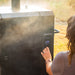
(46, 54)
(47, 57)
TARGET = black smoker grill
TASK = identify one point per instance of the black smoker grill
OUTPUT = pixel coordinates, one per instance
(23, 35)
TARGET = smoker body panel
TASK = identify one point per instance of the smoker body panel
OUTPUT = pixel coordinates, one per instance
(22, 40)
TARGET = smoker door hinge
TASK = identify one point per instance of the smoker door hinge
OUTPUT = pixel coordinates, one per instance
(0, 17)
(3, 59)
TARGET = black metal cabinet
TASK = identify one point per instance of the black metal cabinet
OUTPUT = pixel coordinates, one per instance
(22, 40)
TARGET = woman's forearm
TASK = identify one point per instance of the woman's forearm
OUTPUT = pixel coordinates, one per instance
(48, 68)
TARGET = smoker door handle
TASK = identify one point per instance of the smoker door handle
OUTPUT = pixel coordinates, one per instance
(56, 31)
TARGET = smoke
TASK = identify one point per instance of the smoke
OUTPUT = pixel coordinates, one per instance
(27, 29)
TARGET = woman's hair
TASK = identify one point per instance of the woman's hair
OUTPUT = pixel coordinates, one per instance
(71, 37)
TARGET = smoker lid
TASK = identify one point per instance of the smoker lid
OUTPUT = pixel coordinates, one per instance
(6, 12)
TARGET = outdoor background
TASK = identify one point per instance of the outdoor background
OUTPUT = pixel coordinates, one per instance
(62, 9)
